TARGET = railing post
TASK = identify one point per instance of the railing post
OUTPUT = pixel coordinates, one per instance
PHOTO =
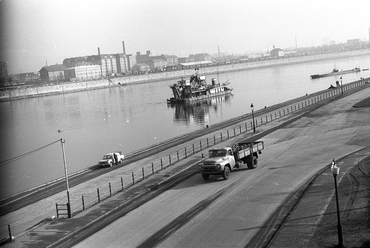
(10, 235)
(152, 168)
(169, 159)
(200, 143)
(207, 143)
(162, 163)
(221, 136)
(178, 157)
(133, 178)
(83, 202)
(186, 155)
(227, 131)
(193, 148)
(110, 189)
(122, 183)
(142, 169)
(97, 190)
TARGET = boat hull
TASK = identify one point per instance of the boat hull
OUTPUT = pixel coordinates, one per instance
(335, 73)
(198, 98)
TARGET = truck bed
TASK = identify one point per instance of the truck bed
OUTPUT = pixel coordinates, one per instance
(249, 147)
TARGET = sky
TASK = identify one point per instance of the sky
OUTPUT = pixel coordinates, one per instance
(39, 32)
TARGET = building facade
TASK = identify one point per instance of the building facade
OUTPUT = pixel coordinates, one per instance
(52, 73)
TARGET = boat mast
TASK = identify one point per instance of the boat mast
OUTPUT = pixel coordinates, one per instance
(218, 79)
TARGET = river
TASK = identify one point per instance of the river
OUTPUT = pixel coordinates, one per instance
(132, 117)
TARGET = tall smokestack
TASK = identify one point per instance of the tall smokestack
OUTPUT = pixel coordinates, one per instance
(124, 56)
(124, 49)
(101, 69)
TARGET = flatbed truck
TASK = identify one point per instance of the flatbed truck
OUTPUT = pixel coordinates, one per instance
(221, 161)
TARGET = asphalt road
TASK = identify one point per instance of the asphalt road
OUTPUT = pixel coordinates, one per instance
(230, 213)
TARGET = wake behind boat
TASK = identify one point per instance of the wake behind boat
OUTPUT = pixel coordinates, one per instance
(197, 89)
(335, 72)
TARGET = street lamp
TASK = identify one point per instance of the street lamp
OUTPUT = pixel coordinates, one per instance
(254, 127)
(341, 85)
(62, 141)
(335, 172)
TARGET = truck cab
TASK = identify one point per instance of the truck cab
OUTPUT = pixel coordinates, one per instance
(220, 162)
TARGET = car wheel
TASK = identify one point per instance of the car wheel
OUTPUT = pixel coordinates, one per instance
(226, 173)
(252, 164)
(205, 176)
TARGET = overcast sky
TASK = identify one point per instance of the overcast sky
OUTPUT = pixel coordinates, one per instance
(36, 31)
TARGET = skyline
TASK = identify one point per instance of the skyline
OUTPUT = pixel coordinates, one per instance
(36, 31)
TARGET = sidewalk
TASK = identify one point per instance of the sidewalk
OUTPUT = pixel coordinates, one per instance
(313, 222)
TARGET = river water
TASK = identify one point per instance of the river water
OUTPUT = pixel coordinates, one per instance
(132, 117)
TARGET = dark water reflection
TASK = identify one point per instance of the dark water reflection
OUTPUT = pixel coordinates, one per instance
(198, 112)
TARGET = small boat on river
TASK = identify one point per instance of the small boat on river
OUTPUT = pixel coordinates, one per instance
(335, 72)
(196, 88)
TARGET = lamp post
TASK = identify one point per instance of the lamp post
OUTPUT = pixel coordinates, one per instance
(62, 141)
(254, 126)
(335, 172)
(341, 85)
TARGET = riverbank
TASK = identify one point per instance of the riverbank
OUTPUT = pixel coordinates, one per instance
(22, 92)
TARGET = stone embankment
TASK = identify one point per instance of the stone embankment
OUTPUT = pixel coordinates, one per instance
(35, 91)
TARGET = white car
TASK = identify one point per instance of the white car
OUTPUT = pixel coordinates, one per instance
(110, 159)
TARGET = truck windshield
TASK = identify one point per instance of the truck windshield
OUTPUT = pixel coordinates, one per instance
(217, 153)
(107, 157)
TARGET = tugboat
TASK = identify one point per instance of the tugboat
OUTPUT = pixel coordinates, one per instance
(197, 89)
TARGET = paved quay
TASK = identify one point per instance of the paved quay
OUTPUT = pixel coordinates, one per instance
(49, 231)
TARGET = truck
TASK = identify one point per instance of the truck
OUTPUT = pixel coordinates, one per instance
(221, 161)
(109, 160)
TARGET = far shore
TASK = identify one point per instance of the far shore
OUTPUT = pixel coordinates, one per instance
(29, 91)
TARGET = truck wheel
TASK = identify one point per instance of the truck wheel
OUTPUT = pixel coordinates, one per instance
(110, 164)
(226, 173)
(252, 164)
(205, 176)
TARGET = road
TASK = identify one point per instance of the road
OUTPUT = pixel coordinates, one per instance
(220, 213)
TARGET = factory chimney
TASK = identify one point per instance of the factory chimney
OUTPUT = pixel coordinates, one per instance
(124, 49)
(101, 69)
(124, 57)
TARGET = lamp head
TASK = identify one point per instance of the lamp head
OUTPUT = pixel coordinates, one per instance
(252, 105)
(334, 168)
